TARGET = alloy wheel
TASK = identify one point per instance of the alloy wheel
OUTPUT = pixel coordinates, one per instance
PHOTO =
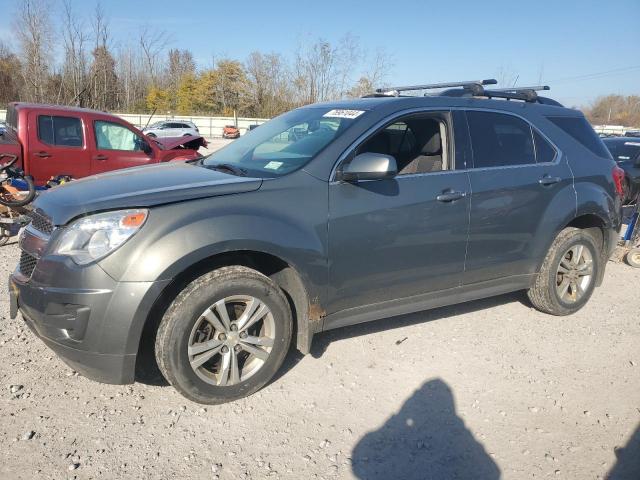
(231, 340)
(574, 274)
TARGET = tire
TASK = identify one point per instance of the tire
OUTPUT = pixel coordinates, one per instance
(195, 314)
(8, 199)
(152, 135)
(633, 257)
(545, 294)
(4, 237)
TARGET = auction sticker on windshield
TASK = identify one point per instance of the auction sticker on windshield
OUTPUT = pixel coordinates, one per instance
(273, 165)
(339, 113)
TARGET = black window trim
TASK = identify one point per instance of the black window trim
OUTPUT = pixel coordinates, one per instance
(95, 136)
(555, 161)
(390, 120)
(54, 145)
(362, 137)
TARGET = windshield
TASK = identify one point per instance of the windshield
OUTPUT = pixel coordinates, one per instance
(623, 151)
(286, 143)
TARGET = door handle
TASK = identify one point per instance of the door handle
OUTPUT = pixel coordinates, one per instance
(450, 196)
(100, 157)
(43, 154)
(547, 180)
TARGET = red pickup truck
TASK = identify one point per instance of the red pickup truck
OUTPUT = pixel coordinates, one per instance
(54, 140)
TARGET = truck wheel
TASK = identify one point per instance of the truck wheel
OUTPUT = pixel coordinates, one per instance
(224, 336)
(568, 274)
(633, 257)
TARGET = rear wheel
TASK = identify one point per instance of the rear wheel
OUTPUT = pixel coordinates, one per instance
(224, 336)
(568, 274)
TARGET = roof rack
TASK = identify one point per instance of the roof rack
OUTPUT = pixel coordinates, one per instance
(474, 86)
(528, 94)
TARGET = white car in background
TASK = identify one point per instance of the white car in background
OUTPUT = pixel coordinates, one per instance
(172, 128)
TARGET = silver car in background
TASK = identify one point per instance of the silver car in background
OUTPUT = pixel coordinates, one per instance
(172, 128)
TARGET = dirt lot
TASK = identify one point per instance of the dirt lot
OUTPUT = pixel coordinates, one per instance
(483, 390)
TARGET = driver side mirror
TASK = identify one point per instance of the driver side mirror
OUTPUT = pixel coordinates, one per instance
(370, 166)
(144, 146)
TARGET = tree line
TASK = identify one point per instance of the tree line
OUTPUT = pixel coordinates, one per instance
(615, 110)
(145, 74)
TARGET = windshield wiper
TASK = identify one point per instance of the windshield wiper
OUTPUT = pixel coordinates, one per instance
(238, 171)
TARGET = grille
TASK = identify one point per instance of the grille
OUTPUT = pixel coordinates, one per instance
(41, 222)
(27, 264)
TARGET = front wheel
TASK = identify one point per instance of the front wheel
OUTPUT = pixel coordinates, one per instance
(224, 336)
(568, 274)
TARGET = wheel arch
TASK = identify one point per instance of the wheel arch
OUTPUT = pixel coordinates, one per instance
(596, 225)
(306, 312)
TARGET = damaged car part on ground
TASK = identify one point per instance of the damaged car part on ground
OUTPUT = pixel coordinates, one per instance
(326, 216)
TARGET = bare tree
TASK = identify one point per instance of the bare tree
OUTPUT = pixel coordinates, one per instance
(268, 84)
(153, 42)
(104, 95)
(374, 75)
(34, 33)
(74, 70)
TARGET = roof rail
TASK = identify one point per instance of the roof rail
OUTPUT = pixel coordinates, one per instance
(526, 94)
(472, 85)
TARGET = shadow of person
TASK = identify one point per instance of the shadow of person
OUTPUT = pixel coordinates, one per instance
(424, 440)
(627, 466)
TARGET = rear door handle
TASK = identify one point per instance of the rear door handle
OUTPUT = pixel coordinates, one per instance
(450, 196)
(547, 180)
(43, 154)
(100, 157)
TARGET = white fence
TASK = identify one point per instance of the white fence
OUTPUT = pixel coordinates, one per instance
(209, 127)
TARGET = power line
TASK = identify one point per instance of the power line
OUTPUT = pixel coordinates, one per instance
(596, 75)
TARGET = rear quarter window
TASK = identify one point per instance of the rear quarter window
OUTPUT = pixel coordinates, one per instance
(579, 129)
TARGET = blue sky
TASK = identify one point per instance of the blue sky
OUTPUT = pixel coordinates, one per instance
(560, 42)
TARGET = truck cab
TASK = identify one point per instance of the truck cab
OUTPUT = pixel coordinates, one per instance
(55, 140)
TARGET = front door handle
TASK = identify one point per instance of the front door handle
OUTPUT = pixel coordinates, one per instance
(450, 196)
(547, 180)
(43, 154)
(102, 158)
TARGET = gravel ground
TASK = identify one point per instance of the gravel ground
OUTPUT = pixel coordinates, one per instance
(488, 389)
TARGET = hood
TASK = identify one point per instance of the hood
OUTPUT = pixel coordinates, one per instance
(139, 187)
(169, 143)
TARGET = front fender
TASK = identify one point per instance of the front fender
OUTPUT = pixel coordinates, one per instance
(178, 236)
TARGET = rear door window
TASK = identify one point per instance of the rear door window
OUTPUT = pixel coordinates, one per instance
(500, 140)
(582, 132)
(60, 131)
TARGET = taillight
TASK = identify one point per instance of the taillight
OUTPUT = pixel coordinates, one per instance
(618, 180)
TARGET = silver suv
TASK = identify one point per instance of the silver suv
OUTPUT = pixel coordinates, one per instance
(172, 128)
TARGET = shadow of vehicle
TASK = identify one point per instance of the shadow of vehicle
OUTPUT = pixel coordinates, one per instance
(147, 371)
(424, 440)
(627, 466)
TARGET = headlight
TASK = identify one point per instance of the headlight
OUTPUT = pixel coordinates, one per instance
(93, 237)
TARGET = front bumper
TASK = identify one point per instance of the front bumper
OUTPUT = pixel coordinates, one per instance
(95, 328)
